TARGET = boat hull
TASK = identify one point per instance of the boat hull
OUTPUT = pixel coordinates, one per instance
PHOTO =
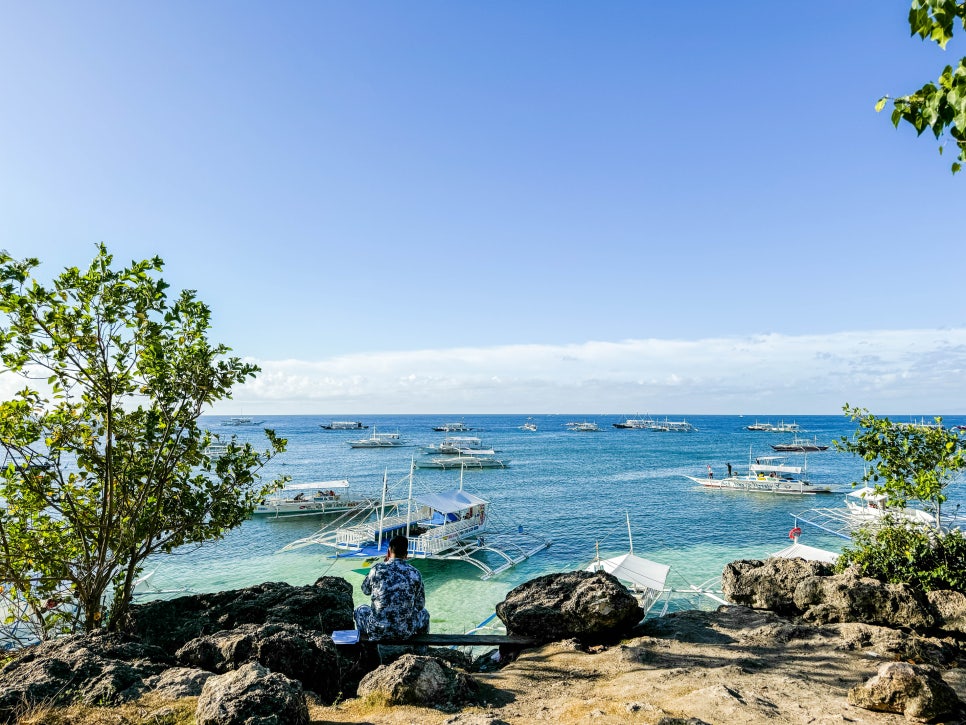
(290, 508)
(761, 485)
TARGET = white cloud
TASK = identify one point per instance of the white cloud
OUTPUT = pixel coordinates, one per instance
(893, 371)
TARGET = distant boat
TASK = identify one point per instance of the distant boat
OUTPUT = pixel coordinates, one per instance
(468, 459)
(921, 423)
(458, 427)
(635, 424)
(799, 445)
(241, 421)
(781, 427)
(529, 426)
(344, 425)
(455, 444)
(311, 499)
(378, 440)
(760, 426)
(584, 427)
(673, 426)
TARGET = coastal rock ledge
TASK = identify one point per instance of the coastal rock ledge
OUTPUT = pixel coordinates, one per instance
(800, 645)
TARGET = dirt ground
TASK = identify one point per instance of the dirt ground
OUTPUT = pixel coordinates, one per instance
(746, 668)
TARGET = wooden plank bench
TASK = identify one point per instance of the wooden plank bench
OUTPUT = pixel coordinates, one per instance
(509, 644)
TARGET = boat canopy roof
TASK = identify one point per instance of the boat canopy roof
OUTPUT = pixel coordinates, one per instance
(809, 553)
(636, 569)
(774, 467)
(341, 483)
(449, 502)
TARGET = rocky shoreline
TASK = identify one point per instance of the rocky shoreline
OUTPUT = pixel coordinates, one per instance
(799, 645)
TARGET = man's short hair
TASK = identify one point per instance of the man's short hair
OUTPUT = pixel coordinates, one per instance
(399, 546)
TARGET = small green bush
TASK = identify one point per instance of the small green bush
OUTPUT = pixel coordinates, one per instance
(920, 557)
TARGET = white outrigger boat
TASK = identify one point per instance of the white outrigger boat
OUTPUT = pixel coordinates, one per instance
(311, 499)
(465, 459)
(767, 474)
(457, 427)
(452, 525)
(456, 444)
(583, 427)
(866, 508)
(646, 579)
(378, 440)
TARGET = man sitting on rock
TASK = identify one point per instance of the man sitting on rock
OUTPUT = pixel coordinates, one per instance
(398, 598)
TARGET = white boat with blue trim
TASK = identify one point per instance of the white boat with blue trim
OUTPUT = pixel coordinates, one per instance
(453, 525)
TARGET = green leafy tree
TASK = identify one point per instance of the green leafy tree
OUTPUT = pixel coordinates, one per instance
(939, 107)
(907, 462)
(106, 464)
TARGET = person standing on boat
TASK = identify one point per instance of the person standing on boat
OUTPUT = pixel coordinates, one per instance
(398, 599)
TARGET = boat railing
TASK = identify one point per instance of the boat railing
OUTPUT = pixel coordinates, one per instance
(443, 537)
(369, 531)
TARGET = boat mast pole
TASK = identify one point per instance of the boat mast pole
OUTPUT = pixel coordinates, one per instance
(409, 502)
(382, 508)
(630, 538)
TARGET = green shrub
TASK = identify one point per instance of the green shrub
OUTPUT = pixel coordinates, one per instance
(916, 556)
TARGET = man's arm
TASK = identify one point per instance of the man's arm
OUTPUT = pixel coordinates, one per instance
(367, 582)
(419, 600)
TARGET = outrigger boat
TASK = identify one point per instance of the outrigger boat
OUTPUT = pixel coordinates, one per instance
(465, 459)
(635, 424)
(645, 579)
(457, 444)
(457, 427)
(866, 508)
(378, 440)
(310, 499)
(239, 421)
(452, 525)
(800, 445)
(768, 474)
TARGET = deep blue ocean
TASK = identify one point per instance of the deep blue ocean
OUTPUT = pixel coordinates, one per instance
(571, 487)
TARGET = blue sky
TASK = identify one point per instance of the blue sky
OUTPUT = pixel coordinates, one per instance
(504, 206)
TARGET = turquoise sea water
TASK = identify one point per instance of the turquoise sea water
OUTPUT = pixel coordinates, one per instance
(571, 487)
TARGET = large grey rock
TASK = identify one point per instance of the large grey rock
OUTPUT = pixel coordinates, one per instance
(251, 695)
(100, 668)
(949, 610)
(418, 680)
(849, 597)
(728, 625)
(917, 691)
(324, 606)
(590, 606)
(768, 584)
(178, 682)
(894, 644)
(301, 654)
